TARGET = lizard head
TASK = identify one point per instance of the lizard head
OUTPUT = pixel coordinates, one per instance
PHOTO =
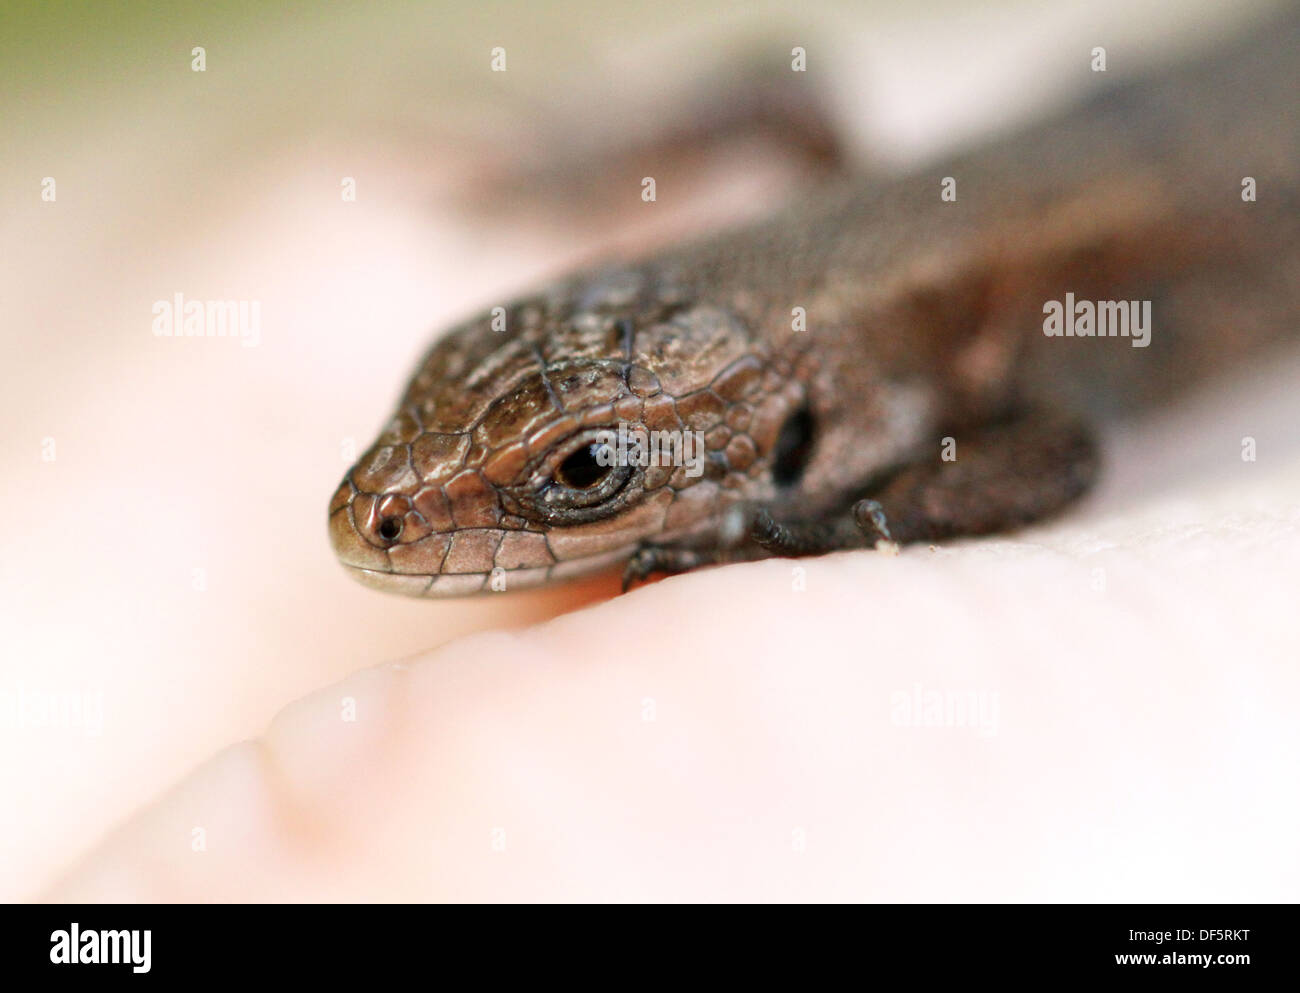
(549, 439)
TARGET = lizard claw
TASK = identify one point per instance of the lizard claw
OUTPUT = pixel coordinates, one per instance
(869, 516)
(763, 529)
(639, 566)
(870, 519)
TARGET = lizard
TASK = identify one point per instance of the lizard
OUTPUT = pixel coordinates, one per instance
(866, 367)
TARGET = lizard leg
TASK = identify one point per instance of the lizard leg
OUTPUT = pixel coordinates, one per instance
(756, 525)
(865, 522)
(650, 559)
(732, 545)
(1004, 475)
(749, 104)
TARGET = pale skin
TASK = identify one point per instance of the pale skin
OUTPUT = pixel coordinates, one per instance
(720, 736)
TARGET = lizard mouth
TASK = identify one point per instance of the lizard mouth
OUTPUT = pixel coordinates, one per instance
(459, 584)
(415, 584)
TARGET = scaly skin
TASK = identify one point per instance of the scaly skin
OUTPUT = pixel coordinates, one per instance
(923, 321)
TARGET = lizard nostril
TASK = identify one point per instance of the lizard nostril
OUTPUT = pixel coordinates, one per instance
(390, 528)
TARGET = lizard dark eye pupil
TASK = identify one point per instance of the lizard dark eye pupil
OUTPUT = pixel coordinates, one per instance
(793, 448)
(581, 470)
(390, 528)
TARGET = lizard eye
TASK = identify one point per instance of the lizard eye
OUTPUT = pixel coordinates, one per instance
(583, 469)
(588, 475)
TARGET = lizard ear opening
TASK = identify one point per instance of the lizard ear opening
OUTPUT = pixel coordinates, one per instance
(793, 448)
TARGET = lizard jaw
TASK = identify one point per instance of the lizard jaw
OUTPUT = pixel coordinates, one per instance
(500, 580)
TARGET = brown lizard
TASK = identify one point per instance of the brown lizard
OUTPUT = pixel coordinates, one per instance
(878, 361)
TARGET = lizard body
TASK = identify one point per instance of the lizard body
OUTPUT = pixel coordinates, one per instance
(824, 354)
